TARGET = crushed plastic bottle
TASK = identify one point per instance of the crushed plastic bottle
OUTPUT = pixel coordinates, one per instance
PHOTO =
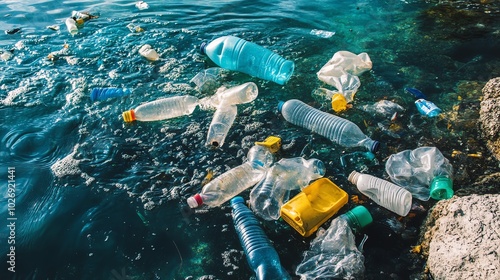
(236, 54)
(337, 129)
(149, 53)
(261, 255)
(105, 93)
(385, 108)
(425, 172)
(161, 109)
(221, 123)
(384, 193)
(242, 94)
(288, 174)
(208, 80)
(235, 180)
(333, 253)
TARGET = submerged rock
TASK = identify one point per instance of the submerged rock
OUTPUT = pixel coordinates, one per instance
(461, 238)
(490, 116)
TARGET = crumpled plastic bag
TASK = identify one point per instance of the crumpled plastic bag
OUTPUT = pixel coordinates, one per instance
(333, 254)
(415, 169)
(344, 62)
(384, 108)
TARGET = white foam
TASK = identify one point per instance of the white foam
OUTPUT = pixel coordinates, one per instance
(67, 166)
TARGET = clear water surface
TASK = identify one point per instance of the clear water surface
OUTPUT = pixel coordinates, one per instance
(100, 199)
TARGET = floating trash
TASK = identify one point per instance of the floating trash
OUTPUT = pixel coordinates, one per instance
(53, 27)
(12, 31)
(322, 33)
(141, 5)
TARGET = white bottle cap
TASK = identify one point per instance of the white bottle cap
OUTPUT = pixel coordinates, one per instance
(195, 201)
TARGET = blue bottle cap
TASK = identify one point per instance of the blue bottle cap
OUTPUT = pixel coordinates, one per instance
(375, 146)
(203, 47)
(280, 105)
(416, 93)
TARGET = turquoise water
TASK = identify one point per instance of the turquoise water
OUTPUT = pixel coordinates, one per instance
(100, 199)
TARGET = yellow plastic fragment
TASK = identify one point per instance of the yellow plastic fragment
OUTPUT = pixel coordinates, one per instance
(339, 103)
(273, 143)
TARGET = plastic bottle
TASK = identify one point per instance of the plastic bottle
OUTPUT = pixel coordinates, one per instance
(149, 53)
(236, 54)
(241, 94)
(161, 109)
(71, 25)
(337, 129)
(221, 123)
(333, 253)
(236, 180)
(384, 193)
(424, 172)
(261, 255)
(268, 196)
(424, 106)
(105, 93)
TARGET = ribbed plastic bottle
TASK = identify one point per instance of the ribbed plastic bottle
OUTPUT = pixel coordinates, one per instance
(261, 255)
(161, 109)
(337, 129)
(236, 54)
(333, 253)
(384, 193)
(236, 180)
(221, 123)
(104, 93)
(71, 25)
(287, 174)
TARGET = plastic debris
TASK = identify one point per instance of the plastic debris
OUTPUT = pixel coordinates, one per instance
(385, 108)
(322, 33)
(149, 53)
(134, 28)
(6, 54)
(142, 5)
(12, 31)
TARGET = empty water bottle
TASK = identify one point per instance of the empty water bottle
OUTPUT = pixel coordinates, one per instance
(261, 255)
(425, 172)
(105, 93)
(161, 109)
(71, 25)
(384, 193)
(424, 106)
(337, 129)
(333, 253)
(235, 180)
(221, 123)
(288, 174)
(236, 54)
(241, 94)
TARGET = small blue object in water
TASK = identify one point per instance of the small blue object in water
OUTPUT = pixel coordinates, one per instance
(416, 93)
(427, 108)
(105, 93)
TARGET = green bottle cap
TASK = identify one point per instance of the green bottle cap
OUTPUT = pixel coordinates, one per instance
(441, 188)
(358, 217)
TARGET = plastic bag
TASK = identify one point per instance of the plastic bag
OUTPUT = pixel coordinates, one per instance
(348, 62)
(417, 171)
(333, 254)
(384, 108)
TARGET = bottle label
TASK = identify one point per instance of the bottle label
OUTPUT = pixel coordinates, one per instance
(425, 107)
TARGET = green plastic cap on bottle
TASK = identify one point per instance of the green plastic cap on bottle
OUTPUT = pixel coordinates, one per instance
(358, 218)
(441, 188)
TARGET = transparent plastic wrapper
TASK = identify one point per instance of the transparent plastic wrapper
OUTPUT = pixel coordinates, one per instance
(347, 61)
(333, 253)
(385, 108)
(268, 195)
(208, 80)
(322, 33)
(234, 181)
(425, 172)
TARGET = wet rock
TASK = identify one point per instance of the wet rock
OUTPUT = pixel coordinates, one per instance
(490, 114)
(461, 238)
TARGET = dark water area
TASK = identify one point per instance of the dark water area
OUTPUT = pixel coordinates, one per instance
(97, 198)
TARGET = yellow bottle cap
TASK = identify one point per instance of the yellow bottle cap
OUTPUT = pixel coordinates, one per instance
(317, 203)
(273, 143)
(339, 103)
(80, 21)
(129, 116)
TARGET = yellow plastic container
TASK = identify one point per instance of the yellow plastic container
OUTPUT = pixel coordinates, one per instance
(313, 206)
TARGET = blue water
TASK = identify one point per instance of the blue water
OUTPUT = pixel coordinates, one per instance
(100, 199)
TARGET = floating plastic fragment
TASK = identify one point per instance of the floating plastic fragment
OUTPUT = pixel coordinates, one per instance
(134, 28)
(142, 5)
(322, 33)
(149, 53)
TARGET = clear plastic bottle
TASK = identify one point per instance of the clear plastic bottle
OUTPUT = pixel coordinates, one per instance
(337, 129)
(260, 253)
(384, 193)
(149, 53)
(268, 196)
(236, 54)
(221, 123)
(161, 109)
(241, 94)
(333, 253)
(235, 180)
(71, 25)
(425, 172)
(105, 93)
(427, 108)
